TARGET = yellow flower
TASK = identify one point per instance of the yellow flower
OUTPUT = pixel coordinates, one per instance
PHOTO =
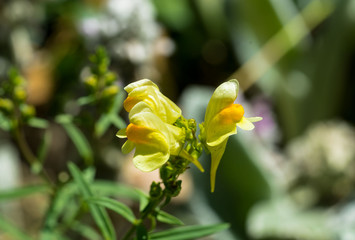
(221, 120)
(148, 92)
(153, 139)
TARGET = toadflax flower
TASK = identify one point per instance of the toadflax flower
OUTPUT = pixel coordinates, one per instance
(221, 120)
(151, 131)
(148, 92)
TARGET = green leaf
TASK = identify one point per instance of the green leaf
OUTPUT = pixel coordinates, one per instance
(5, 123)
(59, 203)
(107, 188)
(117, 121)
(86, 100)
(78, 138)
(22, 192)
(12, 230)
(85, 231)
(43, 149)
(51, 235)
(117, 104)
(168, 218)
(115, 206)
(38, 123)
(102, 124)
(188, 232)
(98, 213)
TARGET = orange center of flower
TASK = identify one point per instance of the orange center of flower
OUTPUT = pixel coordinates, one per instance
(138, 134)
(231, 114)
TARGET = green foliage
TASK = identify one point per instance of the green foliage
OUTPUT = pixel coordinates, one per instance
(99, 214)
(115, 206)
(188, 232)
(12, 194)
(77, 137)
(12, 230)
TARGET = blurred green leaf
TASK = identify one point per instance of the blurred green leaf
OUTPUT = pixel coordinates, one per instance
(63, 200)
(111, 117)
(38, 123)
(59, 203)
(99, 214)
(51, 235)
(23, 192)
(107, 188)
(188, 232)
(42, 152)
(86, 100)
(168, 218)
(115, 206)
(78, 138)
(102, 124)
(85, 231)
(118, 102)
(12, 230)
(4, 123)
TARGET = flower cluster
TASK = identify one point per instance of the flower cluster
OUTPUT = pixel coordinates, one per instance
(151, 130)
(157, 130)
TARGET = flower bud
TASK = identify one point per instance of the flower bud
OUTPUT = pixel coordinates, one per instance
(27, 111)
(155, 190)
(20, 94)
(91, 82)
(110, 91)
(110, 77)
(6, 105)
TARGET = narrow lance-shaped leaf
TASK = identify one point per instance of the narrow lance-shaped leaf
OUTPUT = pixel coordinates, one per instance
(38, 123)
(22, 192)
(78, 138)
(62, 200)
(115, 206)
(107, 188)
(85, 231)
(99, 214)
(168, 218)
(188, 232)
(12, 230)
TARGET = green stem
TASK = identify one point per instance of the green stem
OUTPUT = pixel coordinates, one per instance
(29, 156)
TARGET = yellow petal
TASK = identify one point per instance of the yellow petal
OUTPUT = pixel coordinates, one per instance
(152, 155)
(224, 124)
(245, 124)
(127, 147)
(144, 82)
(216, 155)
(216, 133)
(152, 148)
(222, 97)
(145, 90)
(255, 119)
(147, 160)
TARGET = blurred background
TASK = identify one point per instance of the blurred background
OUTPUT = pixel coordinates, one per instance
(293, 177)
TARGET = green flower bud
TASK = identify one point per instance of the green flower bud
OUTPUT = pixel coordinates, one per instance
(20, 94)
(173, 189)
(27, 111)
(91, 82)
(155, 190)
(110, 91)
(6, 105)
(110, 77)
